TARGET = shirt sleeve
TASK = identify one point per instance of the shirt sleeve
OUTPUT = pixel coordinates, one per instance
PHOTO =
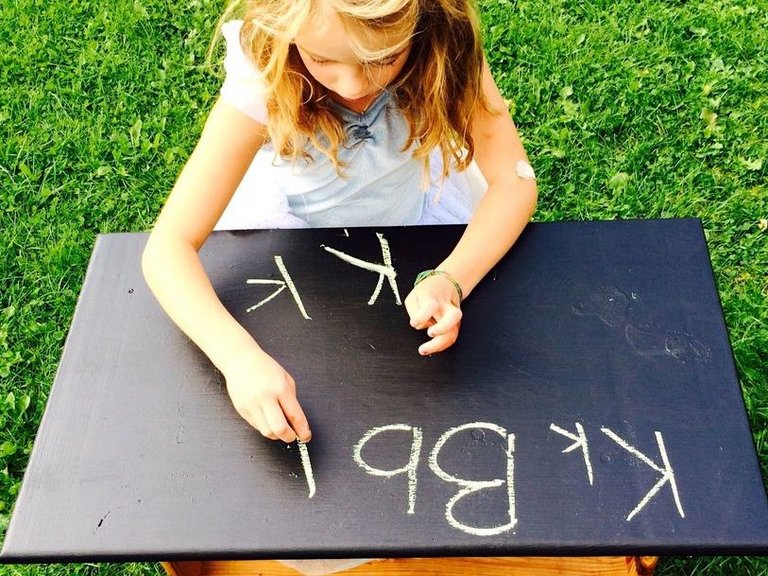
(243, 85)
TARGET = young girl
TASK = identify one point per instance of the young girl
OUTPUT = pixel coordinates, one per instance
(338, 113)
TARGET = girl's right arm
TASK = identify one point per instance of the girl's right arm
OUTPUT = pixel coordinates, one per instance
(261, 390)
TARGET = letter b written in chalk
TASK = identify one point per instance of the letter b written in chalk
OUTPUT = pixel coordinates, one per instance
(467, 487)
(471, 486)
(409, 468)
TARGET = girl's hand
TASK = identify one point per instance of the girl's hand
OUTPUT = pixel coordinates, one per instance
(434, 304)
(265, 395)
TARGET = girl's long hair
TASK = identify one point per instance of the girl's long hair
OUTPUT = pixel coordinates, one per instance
(438, 91)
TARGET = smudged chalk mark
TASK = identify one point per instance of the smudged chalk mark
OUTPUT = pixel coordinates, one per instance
(612, 306)
(650, 340)
(608, 303)
(478, 435)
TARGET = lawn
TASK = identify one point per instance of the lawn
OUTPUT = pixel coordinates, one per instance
(628, 109)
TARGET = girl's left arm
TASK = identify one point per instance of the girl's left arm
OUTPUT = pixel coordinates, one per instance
(499, 219)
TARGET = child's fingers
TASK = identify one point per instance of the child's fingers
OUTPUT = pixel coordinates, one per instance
(255, 418)
(449, 320)
(277, 423)
(422, 312)
(439, 343)
(296, 418)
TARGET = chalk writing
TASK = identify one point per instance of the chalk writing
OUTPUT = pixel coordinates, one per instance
(470, 486)
(667, 474)
(409, 468)
(282, 284)
(384, 270)
(307, 465)
(478, 430)
(467, 486)
(580, 441)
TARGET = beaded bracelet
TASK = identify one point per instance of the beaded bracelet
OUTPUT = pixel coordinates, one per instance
(427, 273)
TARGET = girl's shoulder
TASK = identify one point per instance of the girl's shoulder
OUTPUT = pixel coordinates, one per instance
(244, 86)
(235, 59)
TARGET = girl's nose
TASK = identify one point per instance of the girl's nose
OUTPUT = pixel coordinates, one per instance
(353, 83)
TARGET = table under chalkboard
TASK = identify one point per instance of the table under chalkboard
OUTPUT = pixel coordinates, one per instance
(591, 406)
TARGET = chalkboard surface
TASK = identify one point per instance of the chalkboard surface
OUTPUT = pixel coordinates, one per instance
(591, 406)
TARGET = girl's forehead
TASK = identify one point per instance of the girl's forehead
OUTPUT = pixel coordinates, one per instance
(324, 36)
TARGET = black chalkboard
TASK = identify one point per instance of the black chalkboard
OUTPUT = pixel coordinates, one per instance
(605, 338)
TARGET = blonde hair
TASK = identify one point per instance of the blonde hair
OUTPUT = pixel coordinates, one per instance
(438, 91)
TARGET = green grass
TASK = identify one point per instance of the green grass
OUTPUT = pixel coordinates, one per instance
(628, 110)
